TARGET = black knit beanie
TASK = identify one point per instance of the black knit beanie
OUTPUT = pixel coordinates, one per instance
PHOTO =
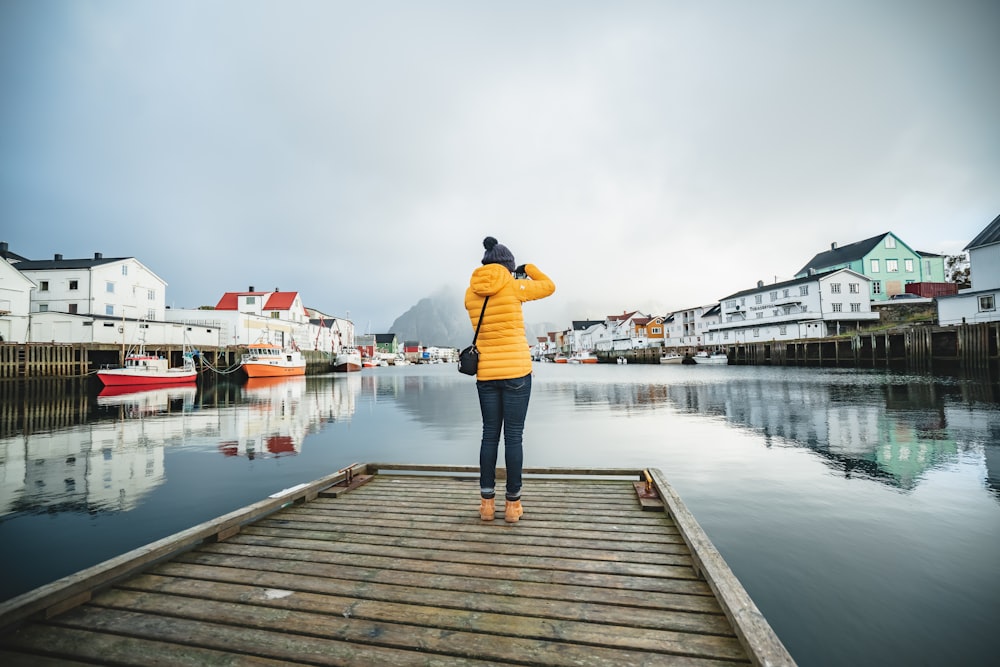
(497, 253)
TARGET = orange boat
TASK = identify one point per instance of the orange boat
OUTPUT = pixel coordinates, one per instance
(266, 360)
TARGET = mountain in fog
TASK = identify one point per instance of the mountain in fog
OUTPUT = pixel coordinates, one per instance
(441, 320)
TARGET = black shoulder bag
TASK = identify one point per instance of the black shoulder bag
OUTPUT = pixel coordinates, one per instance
(468, 359)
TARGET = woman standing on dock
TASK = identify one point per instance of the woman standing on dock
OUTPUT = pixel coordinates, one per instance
(503, 379)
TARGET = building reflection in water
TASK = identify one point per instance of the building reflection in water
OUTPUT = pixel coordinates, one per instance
(105, 453)
(891, 432)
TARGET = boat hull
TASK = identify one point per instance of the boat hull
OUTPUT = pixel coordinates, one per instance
(346, 367)
(674, 359)
(720, 360)
(262, 370)
(124, 378)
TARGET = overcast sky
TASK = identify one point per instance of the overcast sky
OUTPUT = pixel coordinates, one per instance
(646, 155)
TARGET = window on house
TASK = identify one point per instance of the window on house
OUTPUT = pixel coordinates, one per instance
(782, 330)
(760, 315)
(876, 287)
(855, 307)
(803, 290)
(892, 265)
(731, 304)
(837, 307)
(756, 333)
(908, 265)
(657, 330)
(890, 241)
(109, 288)
(124, 269)
(785, 293)
(725, 335)
(72, 308)
(43, 286)
(759, 298)
(874, 266)
(151, 295)
(74, 284)
(854, 288)
(109, 310)
(251, 300)
(835, 288)
(151, 314)
(275, 315)
(774, 295)
(743, 301)
(43, 307)
(987, 303)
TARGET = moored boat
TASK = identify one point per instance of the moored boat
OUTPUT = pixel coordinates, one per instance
(348, 360)
(713, 358)
(583, 357)
(560, 359)
(672, 358)
(269, 360)
(147, 369)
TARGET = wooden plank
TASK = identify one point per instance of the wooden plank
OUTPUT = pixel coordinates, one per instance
(489, 583)
(474, 470)
(760, 641)
(12, 659)
(40, 643)
(397, 626)
(536, 546)
(58, 592)
(586, 578)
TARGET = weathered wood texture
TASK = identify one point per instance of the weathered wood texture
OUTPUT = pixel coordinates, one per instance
(402, 571)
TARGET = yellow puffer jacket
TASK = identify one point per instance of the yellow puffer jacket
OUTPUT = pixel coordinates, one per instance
(503, 346)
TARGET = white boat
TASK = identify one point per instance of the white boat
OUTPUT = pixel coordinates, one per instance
(348, 360)
(713, 358)
(264, 360)
(582, 357)
(146, 369)
(672, 358)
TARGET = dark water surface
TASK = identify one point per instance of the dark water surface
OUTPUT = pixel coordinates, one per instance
(860, 509)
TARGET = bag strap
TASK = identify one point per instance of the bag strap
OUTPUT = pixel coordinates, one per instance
(480, 320)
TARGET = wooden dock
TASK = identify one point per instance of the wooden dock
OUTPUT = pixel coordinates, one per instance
(385, 564)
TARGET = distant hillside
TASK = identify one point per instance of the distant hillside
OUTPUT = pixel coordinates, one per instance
(440, 320)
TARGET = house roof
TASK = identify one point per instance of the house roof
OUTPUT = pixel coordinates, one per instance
(385, 338)
(622, 317)
(642, 320)
(714, 309)
(274, 300)
(8, 256)
(843, 254)
(988, 236)
(789, 283)
(583, 325)
(54, 264)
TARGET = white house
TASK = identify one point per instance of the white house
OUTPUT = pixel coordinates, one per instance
(15, 304)
(113, 286)
(55, 327)
(686, 330)
(814, 306)
(979, 302)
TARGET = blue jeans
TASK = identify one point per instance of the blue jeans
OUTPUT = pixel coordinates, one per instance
(504, 404)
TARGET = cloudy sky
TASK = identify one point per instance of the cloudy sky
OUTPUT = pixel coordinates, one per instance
(646, 155)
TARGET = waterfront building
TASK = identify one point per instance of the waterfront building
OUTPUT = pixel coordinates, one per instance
(98, 285)
(979, 302)
(583, 334)
(685, 329)
(888, 262)
(15, 304)
(813, 306)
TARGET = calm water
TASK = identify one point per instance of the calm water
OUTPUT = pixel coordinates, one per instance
(861, 510)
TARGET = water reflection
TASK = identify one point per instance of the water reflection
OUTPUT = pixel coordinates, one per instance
(894, 432)
(115, 458)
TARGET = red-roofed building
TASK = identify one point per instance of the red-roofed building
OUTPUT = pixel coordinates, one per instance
(276, 305)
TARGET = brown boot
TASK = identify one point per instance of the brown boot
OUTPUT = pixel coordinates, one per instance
(512, 511)
(487, 509)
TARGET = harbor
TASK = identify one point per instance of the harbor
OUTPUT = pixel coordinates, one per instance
(780, 466)
(305, 577)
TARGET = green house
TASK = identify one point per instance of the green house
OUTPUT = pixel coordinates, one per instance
(885, 260)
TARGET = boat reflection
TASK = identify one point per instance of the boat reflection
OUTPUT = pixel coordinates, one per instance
(111, 458)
